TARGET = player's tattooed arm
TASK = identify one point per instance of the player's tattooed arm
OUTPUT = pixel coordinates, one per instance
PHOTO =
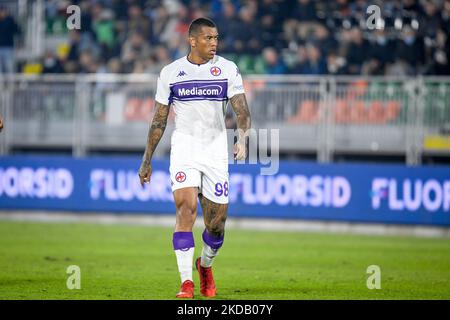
(240, 107)
(155, 133)
(156, 130)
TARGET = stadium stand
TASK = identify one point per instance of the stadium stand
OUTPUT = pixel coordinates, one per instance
(281, 37)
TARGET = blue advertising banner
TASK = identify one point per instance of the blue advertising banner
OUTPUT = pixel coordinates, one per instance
(339, 192)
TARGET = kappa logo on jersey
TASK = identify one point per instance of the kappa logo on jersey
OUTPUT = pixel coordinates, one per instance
(180, 176)
(181, 74)
(215, 71)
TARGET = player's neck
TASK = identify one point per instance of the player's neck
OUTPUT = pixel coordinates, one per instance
(196, 59)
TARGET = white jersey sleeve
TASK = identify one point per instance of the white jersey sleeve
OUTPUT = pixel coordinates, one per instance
(163, 89)
(235, 84)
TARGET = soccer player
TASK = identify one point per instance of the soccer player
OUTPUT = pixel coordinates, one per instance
(198, 86)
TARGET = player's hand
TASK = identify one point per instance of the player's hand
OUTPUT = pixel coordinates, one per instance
(1, 123)
(145, 171)
(240, 151)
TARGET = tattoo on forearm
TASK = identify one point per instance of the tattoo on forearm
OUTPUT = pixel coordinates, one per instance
(240, 107)
(156, 130)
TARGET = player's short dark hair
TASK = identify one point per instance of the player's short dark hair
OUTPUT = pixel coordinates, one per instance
(197, 24)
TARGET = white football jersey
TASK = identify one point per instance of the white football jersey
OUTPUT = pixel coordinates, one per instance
(199, 94)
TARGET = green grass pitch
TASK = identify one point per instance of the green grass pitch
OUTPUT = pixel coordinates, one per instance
(137, 262)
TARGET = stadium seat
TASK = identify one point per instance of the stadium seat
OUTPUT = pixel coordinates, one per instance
(376, 113)
(392, 111)
(147, 109)
(307, 112)
(139, 109)
(341, 111)
(358, 112)
(132, 109)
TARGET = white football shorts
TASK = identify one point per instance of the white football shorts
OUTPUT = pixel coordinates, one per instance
(212, 183)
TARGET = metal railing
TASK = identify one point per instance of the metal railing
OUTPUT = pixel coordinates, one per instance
(321, 115)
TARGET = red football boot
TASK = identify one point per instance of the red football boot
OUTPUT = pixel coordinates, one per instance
(186, 290)
(207, 285)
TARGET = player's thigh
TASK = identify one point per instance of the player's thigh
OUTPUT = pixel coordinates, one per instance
(185, 183)
(186, 198)
(214, 198)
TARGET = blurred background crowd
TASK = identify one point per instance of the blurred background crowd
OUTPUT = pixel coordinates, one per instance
(262, 37)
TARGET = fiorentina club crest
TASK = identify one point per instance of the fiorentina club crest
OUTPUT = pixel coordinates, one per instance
(180, 176)
(215, 71)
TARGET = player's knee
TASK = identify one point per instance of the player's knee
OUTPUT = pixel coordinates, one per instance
(187, 210)
(214, 240)
(216, 228)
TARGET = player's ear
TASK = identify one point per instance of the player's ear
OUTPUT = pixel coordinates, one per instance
(192, 41)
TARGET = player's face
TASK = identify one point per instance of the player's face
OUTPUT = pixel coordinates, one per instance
(206, 42)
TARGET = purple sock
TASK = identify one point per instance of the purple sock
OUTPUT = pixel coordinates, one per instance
(212, 241)
(183, 241)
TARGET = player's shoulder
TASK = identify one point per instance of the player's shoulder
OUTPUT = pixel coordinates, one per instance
(219, 60)
(228, 66)
(168, 70)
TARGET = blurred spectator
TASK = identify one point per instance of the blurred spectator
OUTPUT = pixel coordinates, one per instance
(52, 64)
(271, 16)
(161, 57)
(412, 8)
(8, 29)
(134, 48)
(304, 11)
(336, 65)
(74, 45)
(314, 63)
(356, 51)
(104, 31)
(445, 17)
(372, 67)
(114, 66)
(87, 62)
(137, 22)
(162, 25)
(439, 64)
(247, 42)
(381, 50)
(273, 63)
(79, 42)
(226, 23)
(324, 40)
(410, 49)
(86, 17)
(430, 21)
(71, 67)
